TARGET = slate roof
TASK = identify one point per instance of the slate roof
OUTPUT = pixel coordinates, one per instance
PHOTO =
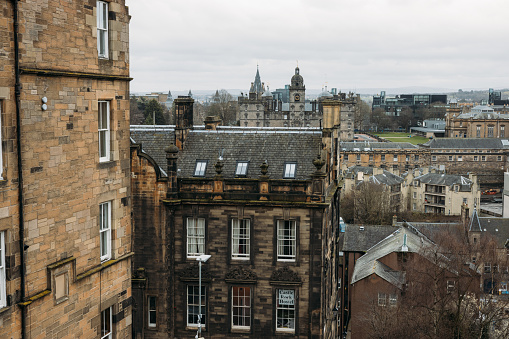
(446, 180)
(498, 228)
(357, 240)
(370, 146)
(274, 146)
(386, 178)
(255, 145)
(153, 140)
(400, 240)
(467, 143)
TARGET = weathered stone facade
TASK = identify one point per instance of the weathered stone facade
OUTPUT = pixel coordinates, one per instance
(218, 198)
(68, 280)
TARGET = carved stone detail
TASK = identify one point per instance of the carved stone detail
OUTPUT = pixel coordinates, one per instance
(241, 273)
(192, 272)
(285, 274)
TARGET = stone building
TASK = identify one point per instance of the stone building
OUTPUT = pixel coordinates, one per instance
(480, 122)
(264, 203)
(64, 162)
(262, 108)
(487, 158)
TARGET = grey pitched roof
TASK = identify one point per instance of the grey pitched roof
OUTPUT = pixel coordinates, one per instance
(255, 146)
(387, 178)
(498, 228)
(466, 143)
(154, 140)
(356, 169)
(401, 240)
(446, 180)
(370, 146)
(361, 238)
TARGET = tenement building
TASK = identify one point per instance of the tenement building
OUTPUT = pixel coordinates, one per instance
(262, 108)
(263, 203)
(65, 231)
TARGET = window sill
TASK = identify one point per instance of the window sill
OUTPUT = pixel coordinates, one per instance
(106, 164)
(194, 328)
(3, 309)
(241, 330)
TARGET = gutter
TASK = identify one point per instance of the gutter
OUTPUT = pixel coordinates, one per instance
(17, 93)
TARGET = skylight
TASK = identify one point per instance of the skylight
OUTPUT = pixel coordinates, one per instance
(290, 170)
(200, 168)
(241, 168)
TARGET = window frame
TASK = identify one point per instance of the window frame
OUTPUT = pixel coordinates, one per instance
(105, 231)
(241, 308)
(104, 133)
(233, 254)
(194, 255)
(150, 311)
(279, 307)
(102, 29)
(382, 299)
(290, 170)
(203, 168)
(3, 277)
(203, 305)
(106, 320)
(243, 166)
(281, 241)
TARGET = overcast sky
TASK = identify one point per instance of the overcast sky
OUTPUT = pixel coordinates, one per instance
(214, 44)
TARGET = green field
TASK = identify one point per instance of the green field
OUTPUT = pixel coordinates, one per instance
(402, 137)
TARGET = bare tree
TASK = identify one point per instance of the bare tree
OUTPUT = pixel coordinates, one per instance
(224, 106)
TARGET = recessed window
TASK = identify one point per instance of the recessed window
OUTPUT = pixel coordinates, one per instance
(417, 157)
(104, 130)
(61, 287)
(290, 168)
(200, 168)
(152, 311)
(450, 157)
(393, 299)
(240, 238)
(193, 305)
(195, 237)
(241, 307)
(476, 158)
(3, 296)
(382, 299)
(241, 168)
(395, 157)
(286, 240)
(102, 29)
(483, 158)
(106, 322)
(433, 158)
(285, 310)
(105, 230)
(382, 157)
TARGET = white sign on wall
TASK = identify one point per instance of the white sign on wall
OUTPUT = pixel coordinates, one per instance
(286, 297)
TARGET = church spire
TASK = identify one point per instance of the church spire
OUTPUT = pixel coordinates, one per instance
(257, 86)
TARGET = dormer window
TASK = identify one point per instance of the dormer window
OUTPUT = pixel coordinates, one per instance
(290, 168)
(241, 170)
(201, 166)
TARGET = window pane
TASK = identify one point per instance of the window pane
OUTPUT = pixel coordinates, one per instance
(241, 306)
(193, 306)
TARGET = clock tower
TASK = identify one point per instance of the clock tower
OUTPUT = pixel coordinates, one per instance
(297, 91)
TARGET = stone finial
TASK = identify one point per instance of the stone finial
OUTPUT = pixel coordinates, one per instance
(171, 149)
(264, 167)
(219, 167)
(318, 162)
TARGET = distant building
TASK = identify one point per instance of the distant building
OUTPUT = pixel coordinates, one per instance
(288, 107)
(393, 106)
(480, 122)
(431, 128)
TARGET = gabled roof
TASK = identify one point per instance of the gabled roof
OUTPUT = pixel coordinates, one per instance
(361, 238)
(401, 240)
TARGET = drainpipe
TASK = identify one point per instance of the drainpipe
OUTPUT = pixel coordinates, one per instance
(17, 93)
